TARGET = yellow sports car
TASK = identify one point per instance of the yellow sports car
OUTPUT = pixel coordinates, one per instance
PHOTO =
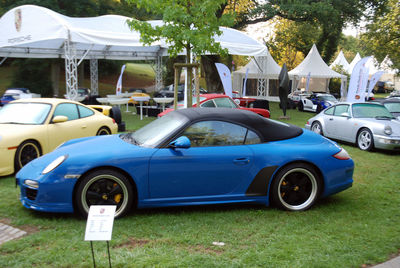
(30, 128)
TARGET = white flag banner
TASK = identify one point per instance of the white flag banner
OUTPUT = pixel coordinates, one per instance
(118, 89)
(374, 79)
(364, 82)
(308, 81)
(225, 76)
(356, 81)
(245, 82)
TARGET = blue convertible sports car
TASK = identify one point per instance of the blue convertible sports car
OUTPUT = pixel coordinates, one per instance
(189, 157)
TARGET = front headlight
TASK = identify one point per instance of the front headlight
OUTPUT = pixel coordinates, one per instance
(54, 164)
(388, 130)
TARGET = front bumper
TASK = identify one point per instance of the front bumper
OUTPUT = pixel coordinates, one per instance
(7, 161)
(387, 143)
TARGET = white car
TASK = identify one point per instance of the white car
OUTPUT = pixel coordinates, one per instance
(316, 102)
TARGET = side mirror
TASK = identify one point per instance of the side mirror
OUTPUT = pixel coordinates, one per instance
(182, 142)
(345, 115)
(60, 119)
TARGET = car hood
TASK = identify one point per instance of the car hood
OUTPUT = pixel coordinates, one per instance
(10, 133)
(90, 152)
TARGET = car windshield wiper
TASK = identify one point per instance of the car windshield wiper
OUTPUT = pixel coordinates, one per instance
(384, 117)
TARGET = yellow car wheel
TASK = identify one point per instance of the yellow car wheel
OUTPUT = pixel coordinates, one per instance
(26, 152)
(103, 131)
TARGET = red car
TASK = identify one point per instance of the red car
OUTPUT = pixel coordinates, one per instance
(218, 101)
(244, 101)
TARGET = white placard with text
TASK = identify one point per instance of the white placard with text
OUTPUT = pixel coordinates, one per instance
(100, 222)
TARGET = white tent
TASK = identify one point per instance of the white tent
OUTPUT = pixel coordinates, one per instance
(31, 31)
(319, 71)
(262, 69)
(340, 61)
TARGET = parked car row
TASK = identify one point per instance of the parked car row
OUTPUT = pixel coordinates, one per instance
(16, 94)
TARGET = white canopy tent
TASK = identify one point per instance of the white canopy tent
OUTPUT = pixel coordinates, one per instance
(319, 71)
(356, 59)
(31, 31)
(340, 61)
(261, 68)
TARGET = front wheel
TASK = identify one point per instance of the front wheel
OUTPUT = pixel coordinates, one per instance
(365, 140)
(296, 187)
(103, 131)
(26, 152)
(104, 187)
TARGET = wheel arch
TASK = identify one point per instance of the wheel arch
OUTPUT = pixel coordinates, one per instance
(316, 168)
(130, 179)
(40, 147)
(106, 127)
(359, 130)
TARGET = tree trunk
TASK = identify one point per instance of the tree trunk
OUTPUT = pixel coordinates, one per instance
(213, 80)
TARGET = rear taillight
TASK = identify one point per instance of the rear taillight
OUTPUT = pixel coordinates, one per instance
(113, 121)
(342, 155)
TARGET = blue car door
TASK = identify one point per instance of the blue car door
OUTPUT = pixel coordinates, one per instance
(217, 163)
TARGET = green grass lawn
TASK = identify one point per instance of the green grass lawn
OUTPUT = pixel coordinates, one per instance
(358, 226)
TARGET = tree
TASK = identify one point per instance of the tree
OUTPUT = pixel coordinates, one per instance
(383, 34)
(189, 25)
(330, 15)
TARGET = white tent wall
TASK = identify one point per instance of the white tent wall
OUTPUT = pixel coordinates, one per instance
(263, 71)
(31, 31)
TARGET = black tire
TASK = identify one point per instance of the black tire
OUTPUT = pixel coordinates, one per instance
(317, 128)
(26, 152)
(115, 113)
(300, 106)
(296, 187)
(365, 140)
(103, 131)
(104, 187)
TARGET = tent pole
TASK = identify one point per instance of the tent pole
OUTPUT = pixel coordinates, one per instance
(94, 77)
(71, 71)
(3, 60)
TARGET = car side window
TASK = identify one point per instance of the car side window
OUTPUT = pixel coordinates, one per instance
(341, 109)
(216, 133)
(84, 112)
(329, 111)
(224, 103)
(252, 138)
(67, 109)
(209, 103)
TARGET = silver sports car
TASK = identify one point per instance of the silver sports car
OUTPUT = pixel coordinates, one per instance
(369, 125)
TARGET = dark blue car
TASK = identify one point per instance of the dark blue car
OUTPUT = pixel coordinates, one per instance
(189, 157)
(13, 94)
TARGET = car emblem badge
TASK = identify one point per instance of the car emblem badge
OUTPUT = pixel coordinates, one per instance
(18, 19)
(105, 197)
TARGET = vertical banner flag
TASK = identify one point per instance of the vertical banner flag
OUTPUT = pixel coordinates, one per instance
(225, 76)
(356, 79)
(342, 85)
(245, 82)
(364, 82)
(118, 89)
(374, 79)
(308, 81)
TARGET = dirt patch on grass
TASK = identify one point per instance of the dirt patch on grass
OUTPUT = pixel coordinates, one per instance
(29, 229)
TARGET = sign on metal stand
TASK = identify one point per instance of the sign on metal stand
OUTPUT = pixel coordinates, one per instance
(99, 227)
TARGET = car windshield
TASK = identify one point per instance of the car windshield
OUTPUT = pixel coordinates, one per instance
(24, 113)
(153, 133)
(194, 101)
(366, 110)
(328, 98)
(393, 107)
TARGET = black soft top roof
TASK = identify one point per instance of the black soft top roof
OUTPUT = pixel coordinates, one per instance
(269, 130)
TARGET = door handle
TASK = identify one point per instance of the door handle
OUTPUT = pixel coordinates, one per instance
(241, 161)
(330, 119)
(84, 126)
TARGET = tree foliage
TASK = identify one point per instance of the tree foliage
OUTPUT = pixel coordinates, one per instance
(330, 15)
(382, 37)
(188, 24)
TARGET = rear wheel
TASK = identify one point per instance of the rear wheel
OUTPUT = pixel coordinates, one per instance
(103, 131)
(317, 128)
(365, 140)
(26, 152)
(296, 187)
(300, 106)
(104, 187)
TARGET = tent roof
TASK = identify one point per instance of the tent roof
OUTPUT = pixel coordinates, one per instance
(261, 65)
(356, 59)
(34, 31)
(315, 65)
(341, 61)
